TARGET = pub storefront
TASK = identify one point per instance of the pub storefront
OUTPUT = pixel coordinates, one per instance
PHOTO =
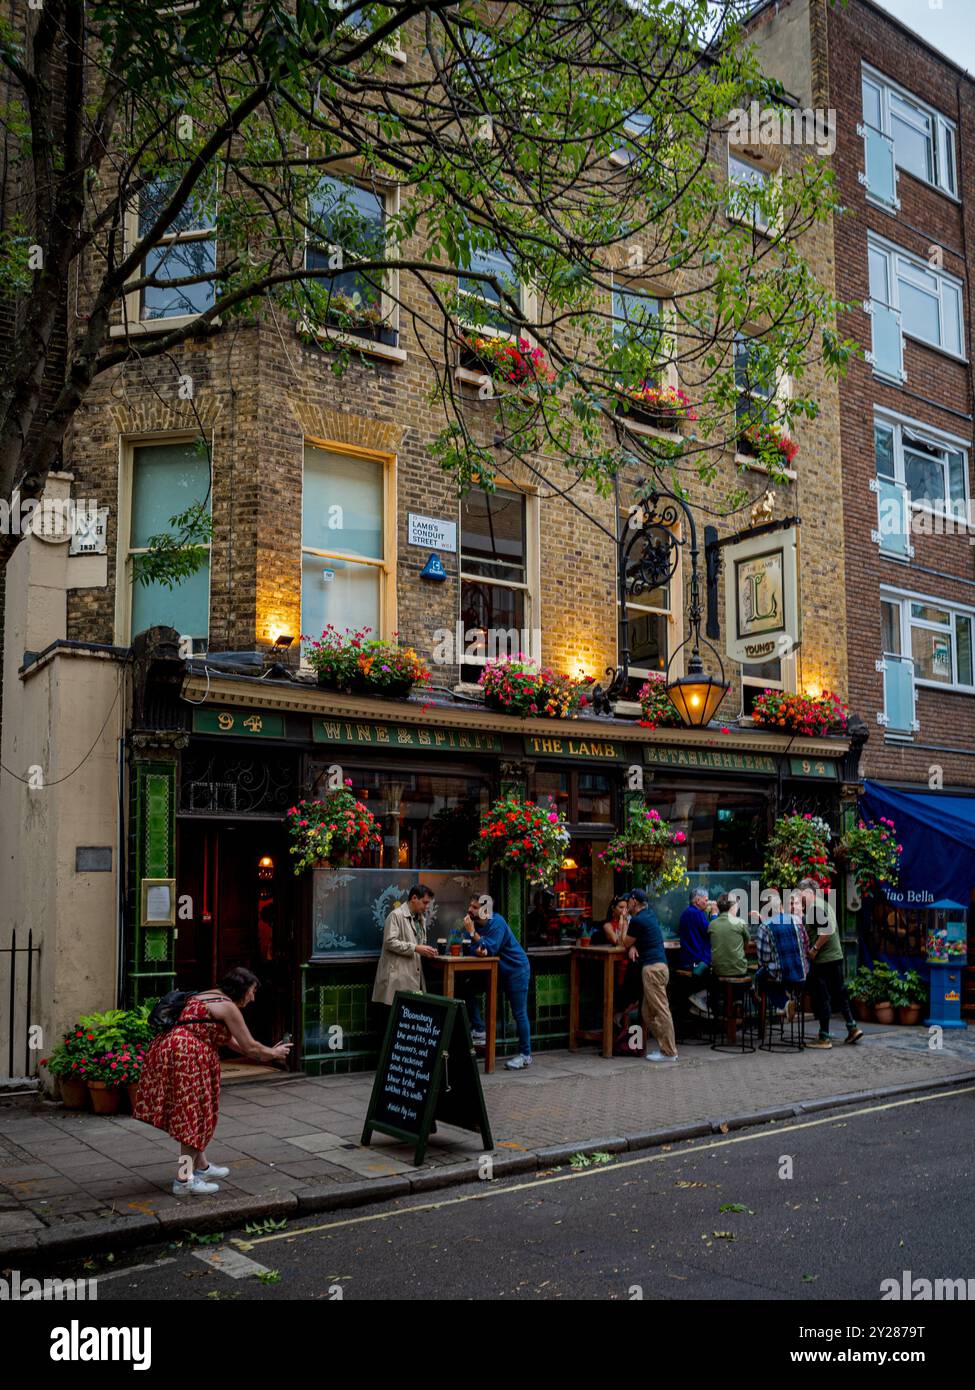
(250, 748)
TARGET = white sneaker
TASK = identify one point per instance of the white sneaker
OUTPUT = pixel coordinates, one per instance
(517, 1063)
(212, 1170)
(660, 1057)
(699, 1002)
(196, 1185)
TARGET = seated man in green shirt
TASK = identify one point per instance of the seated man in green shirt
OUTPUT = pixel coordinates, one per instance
(729, 937)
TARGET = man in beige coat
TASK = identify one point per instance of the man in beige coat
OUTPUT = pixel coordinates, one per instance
(404, 946)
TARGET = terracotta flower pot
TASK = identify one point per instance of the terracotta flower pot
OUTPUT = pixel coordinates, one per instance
(74, 1093)
(883, 1011)
(455, 949)
(910, 1014)
(862, 1010)
(584, 940)
(105, 1099)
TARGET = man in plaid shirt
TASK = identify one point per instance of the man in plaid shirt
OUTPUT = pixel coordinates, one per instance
(782, 954)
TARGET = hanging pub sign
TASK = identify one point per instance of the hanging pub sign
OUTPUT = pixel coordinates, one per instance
(427, 1072)
(762, 608)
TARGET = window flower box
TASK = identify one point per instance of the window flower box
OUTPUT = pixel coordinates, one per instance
(767, 444)
(507, 361)
(514, 685)
(357, 664)
(661, 407)
(812, 715)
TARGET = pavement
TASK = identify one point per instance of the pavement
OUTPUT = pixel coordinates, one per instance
(74, 1181)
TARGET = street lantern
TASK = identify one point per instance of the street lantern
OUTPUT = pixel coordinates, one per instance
(648, 557)
(696, 696)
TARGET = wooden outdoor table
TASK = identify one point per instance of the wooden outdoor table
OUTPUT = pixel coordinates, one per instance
(606, 956)
(451, 966)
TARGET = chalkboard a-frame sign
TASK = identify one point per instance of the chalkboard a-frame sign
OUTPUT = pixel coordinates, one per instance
(427, 1072)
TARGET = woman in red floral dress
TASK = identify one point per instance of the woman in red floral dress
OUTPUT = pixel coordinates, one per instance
(179, 1090)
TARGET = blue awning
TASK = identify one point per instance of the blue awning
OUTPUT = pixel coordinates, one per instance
(938, 835)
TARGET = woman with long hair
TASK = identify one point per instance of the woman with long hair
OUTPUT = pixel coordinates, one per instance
(613, 929)
(179, 1090)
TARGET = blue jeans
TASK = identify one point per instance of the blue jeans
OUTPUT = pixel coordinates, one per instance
(516, 988)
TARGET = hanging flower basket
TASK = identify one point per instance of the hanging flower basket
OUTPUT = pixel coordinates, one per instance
(649, 842)
(337, 827)
(798, 848)
(872, 854)
(520, 834)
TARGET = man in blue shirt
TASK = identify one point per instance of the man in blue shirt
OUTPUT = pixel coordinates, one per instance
(645, 941)
(695, 944)
(489, 935)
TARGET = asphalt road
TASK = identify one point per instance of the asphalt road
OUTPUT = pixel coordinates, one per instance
(808, 1210)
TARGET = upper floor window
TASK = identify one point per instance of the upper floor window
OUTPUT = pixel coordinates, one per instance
(637, 127)
(921, 141)
(935, 636)
(352, 219)
(497, 566)
(187, 250)
(481, 301)
(755, 383)
(927, 300)
(347, 573)
(748, 189)
(162, 481)
(933, 468)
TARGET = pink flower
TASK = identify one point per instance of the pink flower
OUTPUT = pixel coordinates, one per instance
(679, 837)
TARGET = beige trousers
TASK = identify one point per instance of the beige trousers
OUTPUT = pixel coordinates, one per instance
(656, 1009)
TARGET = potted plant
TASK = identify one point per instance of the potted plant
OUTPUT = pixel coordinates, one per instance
(769, 444)
(860, 989)
(66, 1062)
(456, 944)
(516, 685)
(649, 841)
(520, 834)
(912, 998)
(334, 830)
(356, 664)
(354, 313)
(872, 854)
(585, 934)
(798, 848)
(104, 1083)
(663, 407)
(657, 709)
(514, 362)
(130, 1062)
(885, 986)
(812, 715)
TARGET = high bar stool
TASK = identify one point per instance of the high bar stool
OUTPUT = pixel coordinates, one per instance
(777, 1031)
(733, 1014)
(689, 1027)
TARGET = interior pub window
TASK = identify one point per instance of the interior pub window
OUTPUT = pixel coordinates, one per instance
(495, 601)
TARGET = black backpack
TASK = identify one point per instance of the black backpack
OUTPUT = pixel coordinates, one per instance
(167, 1010)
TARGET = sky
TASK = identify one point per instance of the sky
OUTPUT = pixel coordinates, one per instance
(948, 25)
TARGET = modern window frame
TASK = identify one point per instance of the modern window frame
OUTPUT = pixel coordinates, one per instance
(386, 564)
(894, 255)
(899, 425)
(942, 130)
(525, 299)
(903, 599)
(531, 587)
(777, 398)
(124, 551)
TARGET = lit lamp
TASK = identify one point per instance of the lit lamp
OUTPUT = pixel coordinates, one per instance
(282, 642)
(696, 696)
